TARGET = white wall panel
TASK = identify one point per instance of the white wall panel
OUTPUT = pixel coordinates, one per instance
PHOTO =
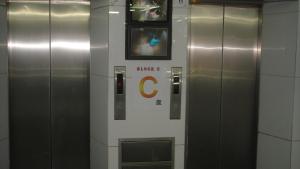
(99, 41)
(296, 127)
(280, 7)
(99, 3)
(99, 84)
(273, 153)
(279, 44)
(280, 87)
(99, 108)
(276, 106)
(295, 155)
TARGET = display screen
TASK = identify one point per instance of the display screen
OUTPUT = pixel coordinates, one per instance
(149, 10)
(149, 42)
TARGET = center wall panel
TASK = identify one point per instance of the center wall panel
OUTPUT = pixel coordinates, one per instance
(70, 56)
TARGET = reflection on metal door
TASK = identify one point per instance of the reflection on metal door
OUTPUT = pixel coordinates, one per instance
(49, 84)
(222, 121)
(29, 70)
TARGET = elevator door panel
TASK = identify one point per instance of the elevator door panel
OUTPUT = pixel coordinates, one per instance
(238, 117)
(70, 49)
(49, 84)
(205, 86)
(29, 73)
(222, 119)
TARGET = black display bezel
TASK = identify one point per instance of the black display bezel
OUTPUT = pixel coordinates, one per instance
(147, 57)
(129, 19)
(130, 24)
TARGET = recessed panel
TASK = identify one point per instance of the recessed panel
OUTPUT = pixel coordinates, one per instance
(147, 153)
(158, 166)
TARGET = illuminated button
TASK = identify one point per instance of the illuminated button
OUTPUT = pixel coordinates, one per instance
(120, 84)
(176, 83)
(176, 79)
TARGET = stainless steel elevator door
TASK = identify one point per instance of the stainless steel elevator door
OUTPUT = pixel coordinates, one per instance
(222, 120)
(29, 70)
(49, 52)
(70, 52)
(205, 86)
(239, 109)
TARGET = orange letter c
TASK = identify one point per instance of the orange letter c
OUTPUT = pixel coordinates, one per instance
(142, 87)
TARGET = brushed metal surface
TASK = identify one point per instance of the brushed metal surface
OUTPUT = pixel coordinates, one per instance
(3, 41)
(205, 65)
(70, 57)
(120, 98)
(224, 51)
(175, 103)
(239, 112)
(152, 153)
(49, 84)
(29, 73)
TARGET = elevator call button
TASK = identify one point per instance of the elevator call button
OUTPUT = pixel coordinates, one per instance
(176, 85)
(120, 84)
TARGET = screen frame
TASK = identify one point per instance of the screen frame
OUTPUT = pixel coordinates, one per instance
(129, 19)
(128, 55)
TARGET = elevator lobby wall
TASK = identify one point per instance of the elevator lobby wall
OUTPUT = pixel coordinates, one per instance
(108, 50)
(279, 119)
(99, 69)
(279, 97)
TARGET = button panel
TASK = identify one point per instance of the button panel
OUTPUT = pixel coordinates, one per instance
(120, 93)
(176, 85)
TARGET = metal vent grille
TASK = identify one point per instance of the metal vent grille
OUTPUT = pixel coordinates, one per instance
(147, 153)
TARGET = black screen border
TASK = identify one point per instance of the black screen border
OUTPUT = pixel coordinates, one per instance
(129, 19)
(147, 57)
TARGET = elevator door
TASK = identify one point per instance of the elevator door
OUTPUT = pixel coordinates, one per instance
(49, 84)
(222, 120)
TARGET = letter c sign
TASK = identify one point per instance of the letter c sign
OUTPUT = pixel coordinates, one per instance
(142, 87)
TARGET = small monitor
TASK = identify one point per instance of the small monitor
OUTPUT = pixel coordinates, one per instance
(148, 43)
(148, 10)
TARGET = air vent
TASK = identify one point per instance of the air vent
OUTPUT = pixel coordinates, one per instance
(147, 153)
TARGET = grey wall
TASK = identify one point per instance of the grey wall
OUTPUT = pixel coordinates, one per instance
(99, 83)
(279, 119)
(4, 154)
